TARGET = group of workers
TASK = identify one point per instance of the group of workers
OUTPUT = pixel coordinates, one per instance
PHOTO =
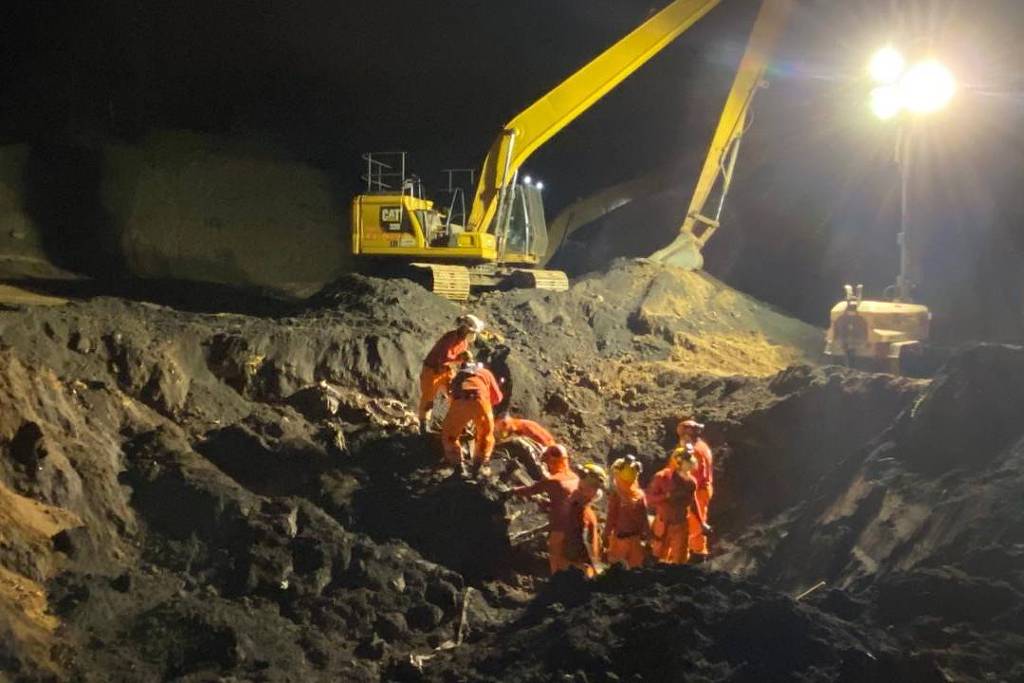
(667, 522)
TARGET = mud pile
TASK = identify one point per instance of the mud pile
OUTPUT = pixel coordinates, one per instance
(677, 623)
(191, 496)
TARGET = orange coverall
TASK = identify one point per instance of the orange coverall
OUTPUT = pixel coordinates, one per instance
(476, 410)
(437, 369)
(512, 426)
(582, 527)
(671, 494)
(704, 476)
(626, 528)
(559, 487)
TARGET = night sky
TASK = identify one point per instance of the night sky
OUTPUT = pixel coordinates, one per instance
(323, 81)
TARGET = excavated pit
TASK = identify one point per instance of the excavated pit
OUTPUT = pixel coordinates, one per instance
(194, 496)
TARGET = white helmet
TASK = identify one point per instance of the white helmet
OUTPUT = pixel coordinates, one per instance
(470, 322)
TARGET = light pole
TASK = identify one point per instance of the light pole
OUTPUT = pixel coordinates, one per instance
(905, 94)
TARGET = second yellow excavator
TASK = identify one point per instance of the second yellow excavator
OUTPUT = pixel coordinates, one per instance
(863, 332)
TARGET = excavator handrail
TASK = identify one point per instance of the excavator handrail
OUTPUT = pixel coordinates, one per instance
(558, 108)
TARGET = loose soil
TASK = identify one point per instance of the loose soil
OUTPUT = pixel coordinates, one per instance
(197, 495)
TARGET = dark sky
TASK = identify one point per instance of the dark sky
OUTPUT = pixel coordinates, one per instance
(326, 80)
(323, 81)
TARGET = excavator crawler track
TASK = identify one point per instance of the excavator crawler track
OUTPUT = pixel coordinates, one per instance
(552, 280)
(450, 282)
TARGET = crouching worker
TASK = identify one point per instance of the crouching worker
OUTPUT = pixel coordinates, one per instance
(472, 393)
(559, 485)
(626, 529)
(583, 539)
(507, 427)
(672, 495)
(440, 364)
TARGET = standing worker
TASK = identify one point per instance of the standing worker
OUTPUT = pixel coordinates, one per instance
(691, 432)
(439, 365)
(626, 528)
(559, 485)
(472, 393)
(583, 538)
(672, 495)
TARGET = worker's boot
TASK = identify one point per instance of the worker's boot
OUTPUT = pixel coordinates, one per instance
(699, 558)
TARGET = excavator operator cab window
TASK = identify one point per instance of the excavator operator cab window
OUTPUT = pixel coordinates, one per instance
(527, 228)
(433, 228)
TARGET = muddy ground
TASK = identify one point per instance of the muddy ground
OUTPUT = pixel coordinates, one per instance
(201, 496)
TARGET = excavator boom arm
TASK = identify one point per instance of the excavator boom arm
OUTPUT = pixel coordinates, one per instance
(698, 226)
(558, 108)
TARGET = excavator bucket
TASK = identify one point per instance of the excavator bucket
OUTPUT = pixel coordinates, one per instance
(684, 252)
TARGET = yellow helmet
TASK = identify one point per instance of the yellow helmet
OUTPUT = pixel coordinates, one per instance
(627, 469)
(596, 474)
(681, 454)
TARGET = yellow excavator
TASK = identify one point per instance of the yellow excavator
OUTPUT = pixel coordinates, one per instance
(861, 332)
(504, 237)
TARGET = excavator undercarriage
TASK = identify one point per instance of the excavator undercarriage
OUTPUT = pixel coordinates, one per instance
(456, 282)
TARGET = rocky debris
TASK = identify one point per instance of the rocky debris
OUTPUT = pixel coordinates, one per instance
(674, 623)
(204, 496)
(891, 525)
(244, 583)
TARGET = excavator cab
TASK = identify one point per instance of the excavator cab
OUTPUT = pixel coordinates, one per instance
(524, 239)
(392, 220)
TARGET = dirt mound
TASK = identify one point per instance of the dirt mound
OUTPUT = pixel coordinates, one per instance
(675, 623)
(194, 496)
(920, 520)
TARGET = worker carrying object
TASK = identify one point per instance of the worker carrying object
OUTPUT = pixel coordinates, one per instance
(690, 432)
(583, 538)
(559, 485)
(672, 495)
(472, 393)
(440, 364)
(626, 529)
(508, 427)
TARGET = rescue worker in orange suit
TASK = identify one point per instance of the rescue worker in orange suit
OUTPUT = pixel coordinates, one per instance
(523, 440)
(672, 495)
(472, 394)
(508, 427)
(690, 432)
(626, 528)
(583, 538)
(559, 485)
(440, 364)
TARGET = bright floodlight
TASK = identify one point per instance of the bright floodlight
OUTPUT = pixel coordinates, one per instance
(527, 180)
(540, 185)
(927, 87)
(887, 65)
(886, 101)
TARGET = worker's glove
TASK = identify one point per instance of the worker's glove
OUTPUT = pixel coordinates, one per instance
(706, 530)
